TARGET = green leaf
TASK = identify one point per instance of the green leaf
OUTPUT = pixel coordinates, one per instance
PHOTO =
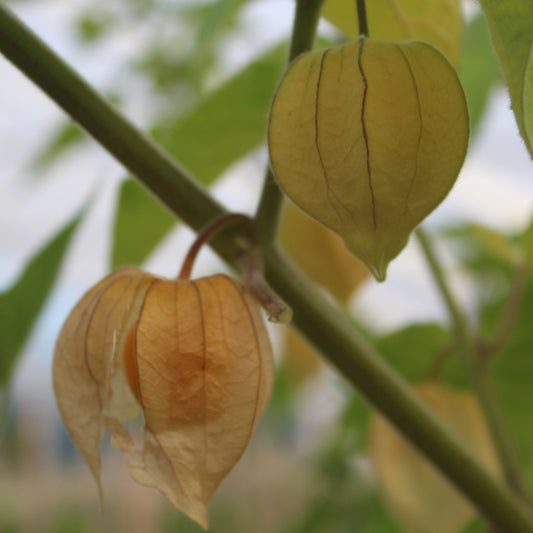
(512, 372)
(65, 137)
(528, 99)
(479, 70)
(497, 244)
(511, 29)
(437, 22)
(228, 123)
(413, 350)
(22, 303)
(141, 222)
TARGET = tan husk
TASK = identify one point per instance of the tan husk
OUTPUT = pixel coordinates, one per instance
(203, 370)
(205, 374)
(88, 382)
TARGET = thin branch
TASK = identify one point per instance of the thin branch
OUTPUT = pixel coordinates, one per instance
(320, 322)
(488, 349)
(303, 36)
(478, 373)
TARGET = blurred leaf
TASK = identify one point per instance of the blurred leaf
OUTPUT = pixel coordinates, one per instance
(417, 349)
(479, 70)
(528, 100)
(22, 303)
(93, 26)
(228, 123)
(66, 136)
(300, 359)
(175, 62)
(512, 371)
(417, 493)
(511, 28)
(476, 526)
(438, 22)
(498, 244)
(320, 253)
(525, 241)
(141, 222)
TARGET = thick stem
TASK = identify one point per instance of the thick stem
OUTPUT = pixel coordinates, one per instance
(323, 324)
(478, 373)
(271, 200)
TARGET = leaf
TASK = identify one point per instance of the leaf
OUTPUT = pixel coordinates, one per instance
(439, 22)
(66, 136)
(300, 359)
(498, 244)
(413, 350)
(140, 224)
(528, 100)
(368, 138)
(22, 303)
(418, 495)
(512, 374)
(320, 253)
(478, 69)
(511, 29)
(228, 123)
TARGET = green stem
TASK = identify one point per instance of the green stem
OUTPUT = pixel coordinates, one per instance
(303, 36)
(478, 371)
(323, 324)
(361, 17)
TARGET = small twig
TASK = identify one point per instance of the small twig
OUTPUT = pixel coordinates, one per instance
(440, 359)
(487, 349)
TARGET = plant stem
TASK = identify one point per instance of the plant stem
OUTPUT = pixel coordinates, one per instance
(361, 17)
(306, 20)
(324, 325)
(486, 349)
(478, 371)
(203, 237)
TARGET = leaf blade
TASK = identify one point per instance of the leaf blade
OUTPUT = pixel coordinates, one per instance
(21, 304)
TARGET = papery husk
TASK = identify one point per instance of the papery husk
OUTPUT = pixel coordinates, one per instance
(205, 372)
(88, 379)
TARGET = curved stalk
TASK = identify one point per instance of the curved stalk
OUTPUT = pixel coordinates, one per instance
(323, 324)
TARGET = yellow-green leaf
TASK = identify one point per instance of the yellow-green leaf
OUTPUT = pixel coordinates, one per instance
(511, 28)
(140, 224)
(320, 253)
(438, 22)
(528, 101)
(21, 304)
(421, 499)
(368, 138)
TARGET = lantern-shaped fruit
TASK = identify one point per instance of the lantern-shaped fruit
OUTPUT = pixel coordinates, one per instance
(192, 355)
(368, 138)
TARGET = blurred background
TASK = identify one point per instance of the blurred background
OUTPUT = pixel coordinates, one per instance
(307, 468)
